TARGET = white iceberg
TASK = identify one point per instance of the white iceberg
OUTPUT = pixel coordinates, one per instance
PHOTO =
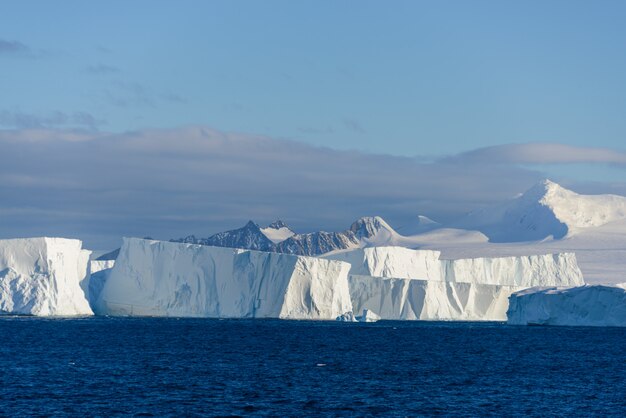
(591, 305)
(402, 284)
(347, 317)
(392, 262)
(100, 270)
(156, 278)
(368, 316)
(520, 271)
(410, 299)
(44, 277)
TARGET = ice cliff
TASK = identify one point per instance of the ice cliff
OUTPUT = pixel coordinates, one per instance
(522, 271)
(156, 278)
(398, 283)
(44, 277)
(576, 306)
(410, 299)
(100, 270)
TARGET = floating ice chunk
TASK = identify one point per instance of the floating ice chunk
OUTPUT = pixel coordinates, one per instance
(44, 277)
(156, 278)
(409, 299)
(368, 316)
(591, 305)
(521, 271)
(347, 317)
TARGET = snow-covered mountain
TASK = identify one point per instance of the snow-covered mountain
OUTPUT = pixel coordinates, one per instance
(278, 237)
(317, 243)
(250, 237)
(546, 218)
(546, 210)
(277, 232)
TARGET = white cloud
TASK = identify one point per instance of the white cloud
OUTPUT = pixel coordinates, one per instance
(543, 153)
(169, 183)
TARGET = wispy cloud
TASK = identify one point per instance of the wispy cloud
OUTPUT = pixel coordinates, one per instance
(542, 153)
(100, 69)
(354, 126)
(55, 119)
(133, 94)
(316, 130)
(12, 47)
(167, 183)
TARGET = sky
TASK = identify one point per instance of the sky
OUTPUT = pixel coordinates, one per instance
(166, 118)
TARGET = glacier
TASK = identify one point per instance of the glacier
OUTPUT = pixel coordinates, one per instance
(157, 278)
(590, 305)
(44, 277)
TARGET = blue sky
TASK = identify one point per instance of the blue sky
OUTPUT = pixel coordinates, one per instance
(419, 80)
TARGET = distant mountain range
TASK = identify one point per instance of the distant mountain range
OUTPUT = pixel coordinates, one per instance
(278, 237)
(546, 211)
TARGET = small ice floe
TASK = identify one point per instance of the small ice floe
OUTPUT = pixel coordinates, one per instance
(347, 317)
(368, 316)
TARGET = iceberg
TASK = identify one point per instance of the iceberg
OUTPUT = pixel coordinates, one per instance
(368, 316)
(411, 299)
(590, 305)
(403, 284)
(392, 262)
(157, 278)
(44, 277)
(100, 270)
(521, 271)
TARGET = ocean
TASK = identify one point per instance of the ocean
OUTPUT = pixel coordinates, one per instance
(101, 366)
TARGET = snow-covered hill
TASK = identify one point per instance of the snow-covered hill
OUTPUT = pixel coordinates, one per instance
(545, 211)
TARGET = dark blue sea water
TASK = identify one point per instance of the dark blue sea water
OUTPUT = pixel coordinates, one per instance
(186, 367)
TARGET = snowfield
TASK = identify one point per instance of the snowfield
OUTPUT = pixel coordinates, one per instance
(44, 277)
(591, 305)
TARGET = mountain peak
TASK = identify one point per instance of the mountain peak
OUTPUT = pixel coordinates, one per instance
(277, 231)
(278, 224)
(542, 189)
(369, 226)
(251, 225)
(546, 210)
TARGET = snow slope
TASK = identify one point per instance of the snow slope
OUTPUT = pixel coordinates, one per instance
(44, 277)
(410, 299)
(156, 278)
(546, 210)
(277, 232)
(578, 306)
